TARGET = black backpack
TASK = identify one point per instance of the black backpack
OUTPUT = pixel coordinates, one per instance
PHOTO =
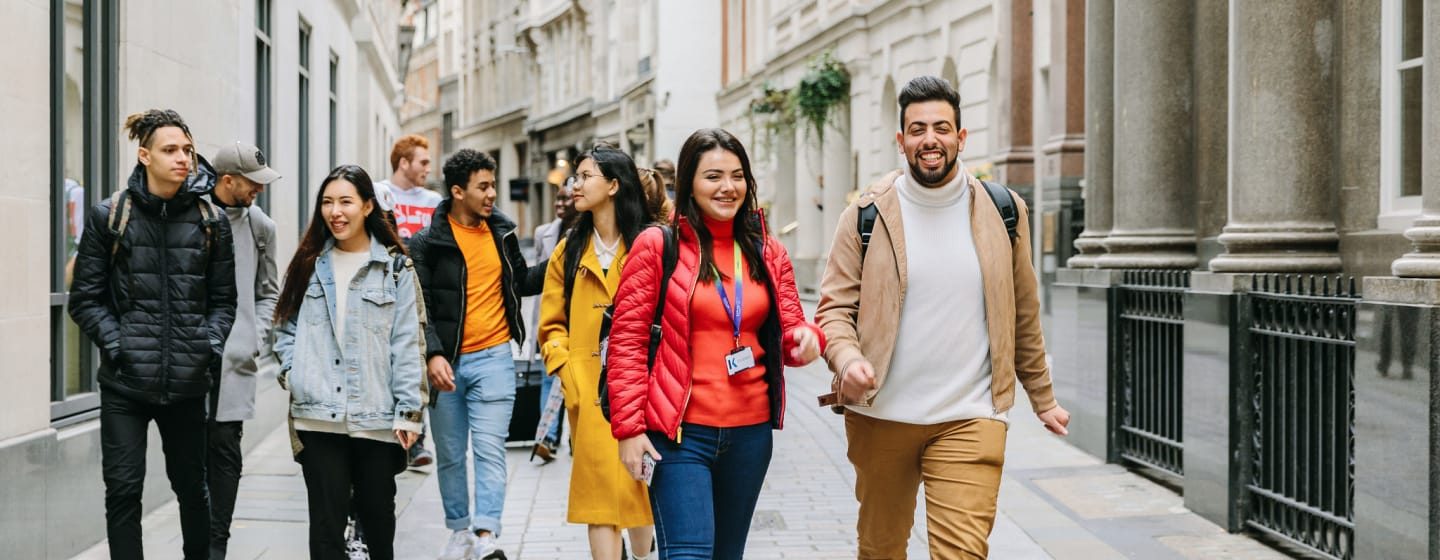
(669, 257)
(1004, 203)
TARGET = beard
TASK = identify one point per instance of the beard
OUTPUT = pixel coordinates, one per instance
(932, 178)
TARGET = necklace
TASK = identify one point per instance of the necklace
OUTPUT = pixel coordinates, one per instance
(603, 250)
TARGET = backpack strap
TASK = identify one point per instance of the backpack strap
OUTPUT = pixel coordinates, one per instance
(1005, 204)
(669, 258)
(119, 218)
(865, 223)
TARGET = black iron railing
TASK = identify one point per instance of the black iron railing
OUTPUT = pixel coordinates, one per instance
(1150, 323)
(1302, 341)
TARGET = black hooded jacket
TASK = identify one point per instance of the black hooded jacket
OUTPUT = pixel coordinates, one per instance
(161, 311)
(441, 268)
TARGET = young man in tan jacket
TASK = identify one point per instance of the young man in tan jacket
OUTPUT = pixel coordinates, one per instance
(928, 342)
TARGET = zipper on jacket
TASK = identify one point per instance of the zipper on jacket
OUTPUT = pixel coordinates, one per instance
(508, 283)
(689, 300)
(464, 306)
(165, 302)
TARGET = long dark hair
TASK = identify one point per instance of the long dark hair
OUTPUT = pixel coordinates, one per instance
(748, 230)
(302, 265)
(631, 212)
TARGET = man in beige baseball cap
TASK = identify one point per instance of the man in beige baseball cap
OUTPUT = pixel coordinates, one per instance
(243, 176)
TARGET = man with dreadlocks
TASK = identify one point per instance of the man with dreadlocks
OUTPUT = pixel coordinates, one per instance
(155, 289)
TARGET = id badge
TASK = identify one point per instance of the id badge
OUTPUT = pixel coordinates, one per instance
(739, 359)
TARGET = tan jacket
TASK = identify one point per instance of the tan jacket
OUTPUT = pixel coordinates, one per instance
(860, 314)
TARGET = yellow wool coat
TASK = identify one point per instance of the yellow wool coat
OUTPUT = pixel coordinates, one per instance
(602, 492)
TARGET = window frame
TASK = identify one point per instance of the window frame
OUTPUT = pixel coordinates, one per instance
(99, 123)
(264, 82)
(302, 173)
(1397, 211)
(334, 107)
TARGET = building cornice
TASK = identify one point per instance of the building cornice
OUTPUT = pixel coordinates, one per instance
(556, 118)
(495, 119)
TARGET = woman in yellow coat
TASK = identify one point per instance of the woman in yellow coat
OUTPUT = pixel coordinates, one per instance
(613, 211)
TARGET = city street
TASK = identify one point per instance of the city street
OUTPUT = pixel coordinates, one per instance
(1055, 502)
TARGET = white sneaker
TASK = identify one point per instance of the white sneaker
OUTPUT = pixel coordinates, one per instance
(485, 546)
(460, 547)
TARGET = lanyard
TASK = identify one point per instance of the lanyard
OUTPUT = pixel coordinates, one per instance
(733, 313)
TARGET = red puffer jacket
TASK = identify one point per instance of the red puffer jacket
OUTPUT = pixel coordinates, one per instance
(640, 401)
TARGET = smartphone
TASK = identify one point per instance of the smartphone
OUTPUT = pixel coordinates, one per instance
(647, 468)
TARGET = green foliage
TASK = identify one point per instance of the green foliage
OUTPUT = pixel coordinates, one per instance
(770, 113)
(824, 89)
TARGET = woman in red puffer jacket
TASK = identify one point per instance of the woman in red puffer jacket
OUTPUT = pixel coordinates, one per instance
(730, 324)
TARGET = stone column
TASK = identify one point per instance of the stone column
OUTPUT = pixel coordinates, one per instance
(1282, 146)
(838, 177)
(1099, 131)
(1015, 154)
(810, 237)
(1424, 261)
(1154, 221)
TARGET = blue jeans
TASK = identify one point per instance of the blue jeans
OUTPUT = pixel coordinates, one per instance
(704, 490)
(477, 414)
(552, 436)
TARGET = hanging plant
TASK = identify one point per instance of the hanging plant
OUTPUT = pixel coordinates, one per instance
(824, 89)
(770, 113)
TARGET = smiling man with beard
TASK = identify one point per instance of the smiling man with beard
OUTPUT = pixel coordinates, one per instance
(927, 344)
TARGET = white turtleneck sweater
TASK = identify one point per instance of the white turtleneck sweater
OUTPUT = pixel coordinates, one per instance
(940, 370)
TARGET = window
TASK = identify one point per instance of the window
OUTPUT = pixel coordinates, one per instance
(262, 86)
(83, 120)
(302, 172)
(334, 105)
(1400, 100)
(447, 134)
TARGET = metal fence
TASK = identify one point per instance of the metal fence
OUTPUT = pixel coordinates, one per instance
(1302, 350)
(1150, 321)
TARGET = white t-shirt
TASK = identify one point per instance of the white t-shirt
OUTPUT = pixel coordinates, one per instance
(940, 370)
(413, 208)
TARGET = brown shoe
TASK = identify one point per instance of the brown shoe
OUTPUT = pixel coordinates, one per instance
(543, 452)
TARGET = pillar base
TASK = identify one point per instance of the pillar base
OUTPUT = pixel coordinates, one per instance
(1091, 246)
(1424, 261)
(1166, 249)
(1297, 248)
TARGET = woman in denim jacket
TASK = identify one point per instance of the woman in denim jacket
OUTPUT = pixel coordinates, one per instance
(348, 341)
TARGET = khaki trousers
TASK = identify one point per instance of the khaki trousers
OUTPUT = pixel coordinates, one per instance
(958, 461)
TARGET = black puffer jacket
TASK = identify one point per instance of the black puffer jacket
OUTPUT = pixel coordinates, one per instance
(442, 271)
(162, 310)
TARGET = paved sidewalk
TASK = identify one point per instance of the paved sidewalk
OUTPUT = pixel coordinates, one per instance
(1055, 502)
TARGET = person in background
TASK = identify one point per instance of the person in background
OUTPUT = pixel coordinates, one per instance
(243, 176)
(547, 235)
(666, 169)
(661, 207)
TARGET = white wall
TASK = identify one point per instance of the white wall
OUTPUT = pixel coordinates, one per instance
(687, 73)
(24, 209)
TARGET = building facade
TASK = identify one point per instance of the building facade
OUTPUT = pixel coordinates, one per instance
(1018, 65)
(534, 83)
(314, 83)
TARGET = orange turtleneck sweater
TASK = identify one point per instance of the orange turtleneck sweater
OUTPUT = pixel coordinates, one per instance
(718, 399)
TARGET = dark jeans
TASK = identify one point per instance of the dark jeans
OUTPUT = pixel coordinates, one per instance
(225, 462)
(337, 465)
(704, 490)
(124, 425)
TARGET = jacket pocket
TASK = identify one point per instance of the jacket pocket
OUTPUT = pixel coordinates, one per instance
(314, 309)
(379, 311)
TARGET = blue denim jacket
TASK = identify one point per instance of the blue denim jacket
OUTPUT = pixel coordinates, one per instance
(372, 380)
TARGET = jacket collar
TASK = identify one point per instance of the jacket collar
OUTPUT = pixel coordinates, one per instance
(200, 182)
(500, 224)
(378, 251)
(588, 261)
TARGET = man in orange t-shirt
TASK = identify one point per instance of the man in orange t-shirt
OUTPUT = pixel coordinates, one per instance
(473, 276)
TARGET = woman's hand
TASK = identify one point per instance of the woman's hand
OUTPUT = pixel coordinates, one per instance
(807, 345)
(405, 438)
(633, 449)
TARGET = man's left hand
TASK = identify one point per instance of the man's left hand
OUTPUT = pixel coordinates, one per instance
(1056, 420)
